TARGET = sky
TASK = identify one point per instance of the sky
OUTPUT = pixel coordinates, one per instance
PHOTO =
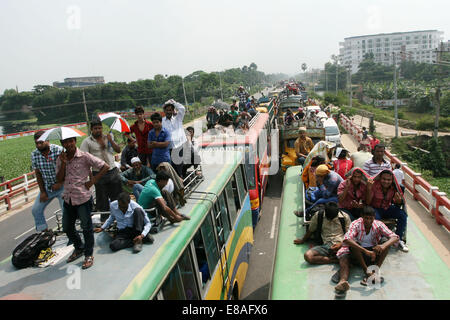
(126, 40)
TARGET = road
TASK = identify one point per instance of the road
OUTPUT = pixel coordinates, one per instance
(388, 130)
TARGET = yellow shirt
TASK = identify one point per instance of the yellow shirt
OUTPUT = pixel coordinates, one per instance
(303, 146)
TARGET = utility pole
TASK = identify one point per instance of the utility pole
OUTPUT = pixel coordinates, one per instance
(349, 74)
(326, 81)
(184, 92)
(220, 82)
(86, 113)
(395, 95)
(438, 91)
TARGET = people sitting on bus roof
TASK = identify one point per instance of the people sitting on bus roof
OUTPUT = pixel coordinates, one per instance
(136, 177)
(175, 184)
(159, 140)
(352, 193)
(299, 115)
(252, 111)
(288, 117)
(133, 224)
(362, 246)
(342, 165)
(234, 115)
(242, 122)
(361, 156)
(302, 146)
(328, 228)
(129, 152)
(327, 185)
(225, 119)
(309, 172)
(377, 163)
(154, 196)
(212, 117)
(385, 196)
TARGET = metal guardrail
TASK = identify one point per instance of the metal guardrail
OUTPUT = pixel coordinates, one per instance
(435, 202)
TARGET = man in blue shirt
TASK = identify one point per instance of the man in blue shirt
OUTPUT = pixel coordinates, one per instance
(159, 140)
(133, 224)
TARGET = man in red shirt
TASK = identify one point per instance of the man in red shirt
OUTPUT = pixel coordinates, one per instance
(141, 128)
(352, 193)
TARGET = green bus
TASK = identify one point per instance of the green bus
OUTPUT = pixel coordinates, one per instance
(203, 258)
(418, 274)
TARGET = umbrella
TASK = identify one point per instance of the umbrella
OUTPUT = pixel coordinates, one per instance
(221, 105)
(61, 133)
(115, 121)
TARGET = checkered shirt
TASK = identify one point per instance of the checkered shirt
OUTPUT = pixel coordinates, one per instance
(46, 165)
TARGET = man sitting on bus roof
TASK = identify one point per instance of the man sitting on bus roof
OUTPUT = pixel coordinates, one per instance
(385, 196)
(362, 246)
(133, 224)
(377, 163)
(153, 195)
(303, 145)
(329, 233)
(137, 176)
(352, 193)
(327, 182)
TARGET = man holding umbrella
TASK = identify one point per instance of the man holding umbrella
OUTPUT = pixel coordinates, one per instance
(103, 147)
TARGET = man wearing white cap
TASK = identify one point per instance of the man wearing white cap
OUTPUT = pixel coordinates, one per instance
(137, 176)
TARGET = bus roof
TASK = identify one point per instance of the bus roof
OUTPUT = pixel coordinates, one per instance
(121, 274)
(208, 139)
(418, 274)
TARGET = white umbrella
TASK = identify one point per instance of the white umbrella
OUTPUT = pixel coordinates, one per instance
(61, 133)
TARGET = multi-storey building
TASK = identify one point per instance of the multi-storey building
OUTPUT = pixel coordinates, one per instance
(79, 82)
(416, 46)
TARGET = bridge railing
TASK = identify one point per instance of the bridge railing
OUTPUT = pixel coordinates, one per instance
(18, 191)
(435, 202)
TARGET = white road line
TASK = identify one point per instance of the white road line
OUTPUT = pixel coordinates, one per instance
(30, 230)
(274, 220)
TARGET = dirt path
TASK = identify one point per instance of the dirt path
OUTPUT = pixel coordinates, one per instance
(387, 130)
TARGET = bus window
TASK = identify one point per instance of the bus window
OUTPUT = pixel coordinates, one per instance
(231, 203)
(240, 182)
(244, 176)
(208, 244)
(222, 220)
(173, 287)
(234, 186)
(180, 284)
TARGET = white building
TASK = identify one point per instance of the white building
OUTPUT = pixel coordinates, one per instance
(416, 46)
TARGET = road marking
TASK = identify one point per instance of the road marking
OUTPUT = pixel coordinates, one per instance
(30, 230)
(274, 220)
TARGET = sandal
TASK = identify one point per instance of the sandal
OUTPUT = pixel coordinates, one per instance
(88, 262)
(299, 213)
(342, 287)
(75, 255)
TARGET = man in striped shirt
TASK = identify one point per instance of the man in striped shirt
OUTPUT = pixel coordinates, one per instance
(377, 164)
(362, 243)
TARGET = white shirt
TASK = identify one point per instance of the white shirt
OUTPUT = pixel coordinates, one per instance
(399, 175)
(366, 241)
(175, 126)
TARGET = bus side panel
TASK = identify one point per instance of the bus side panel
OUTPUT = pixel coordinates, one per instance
(238, 250)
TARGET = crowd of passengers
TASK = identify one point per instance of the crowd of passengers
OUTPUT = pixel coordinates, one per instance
(346, 201)
(239, 115)
(152, 168)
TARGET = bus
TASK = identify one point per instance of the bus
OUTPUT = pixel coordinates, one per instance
(418, 274)
(256, 144)
(203, 258)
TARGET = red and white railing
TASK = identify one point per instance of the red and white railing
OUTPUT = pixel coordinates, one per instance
(17, 191)
(434, 201)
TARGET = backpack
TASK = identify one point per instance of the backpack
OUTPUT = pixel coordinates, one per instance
(318, 232)
(28, 250)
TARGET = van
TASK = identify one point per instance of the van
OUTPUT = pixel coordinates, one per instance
(332, 132)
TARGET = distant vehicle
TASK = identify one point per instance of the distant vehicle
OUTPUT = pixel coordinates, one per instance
(332, 132)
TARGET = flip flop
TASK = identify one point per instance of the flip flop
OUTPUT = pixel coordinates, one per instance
(336, 277)
(299, 213)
